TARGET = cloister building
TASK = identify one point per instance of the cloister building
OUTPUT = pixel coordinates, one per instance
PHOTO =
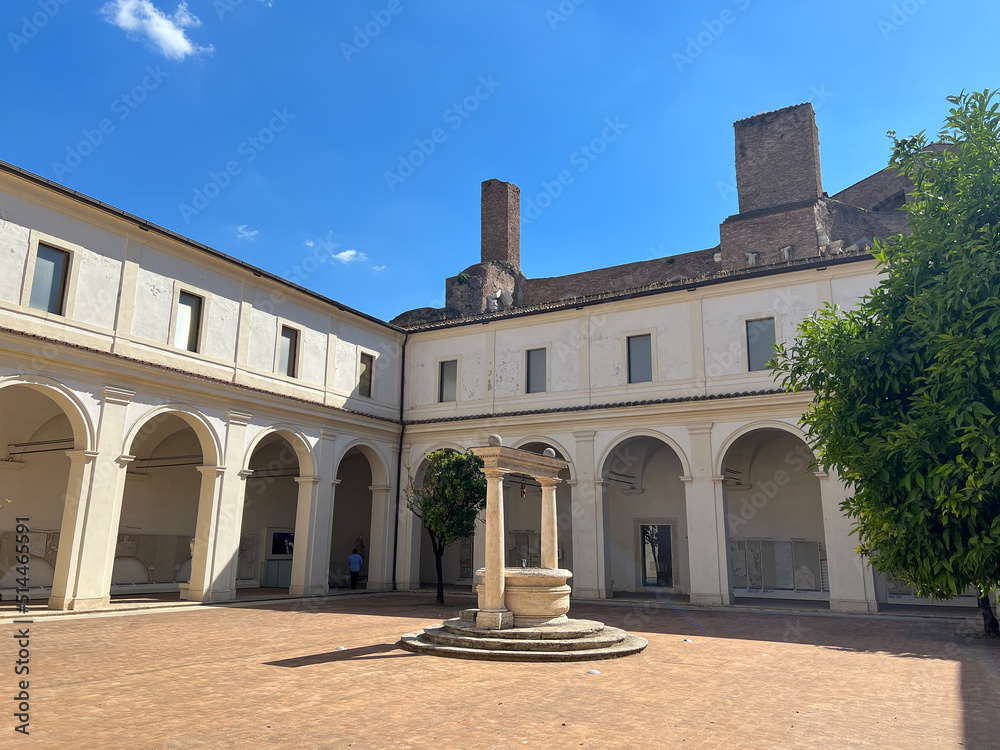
(175, 420)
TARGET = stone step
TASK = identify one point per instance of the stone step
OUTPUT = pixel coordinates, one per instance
(416, 642)
(568, 630)
(606, 638)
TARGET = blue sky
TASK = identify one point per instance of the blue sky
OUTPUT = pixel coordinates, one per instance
(343, 143)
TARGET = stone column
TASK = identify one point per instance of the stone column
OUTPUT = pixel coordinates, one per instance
(309, 578)
(589, 548)
(706, 529)
(92, 528)
(602, 515)
(493, 613)
(380, 539)
(71, 530)
(550, 523)
(327, 489)
(223, 556)
(200, 587)
(852, 585)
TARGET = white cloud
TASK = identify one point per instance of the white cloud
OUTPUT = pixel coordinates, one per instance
(310, 243)
(142, 18)
(349, 256)
(242, 233)
(378, 268)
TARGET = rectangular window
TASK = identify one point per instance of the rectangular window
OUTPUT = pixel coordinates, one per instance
(760, 343)
(366, 369)
(48, 286)
(448, 381)
(289, 353)
(188, 322)
(640, 359)
(535, 375)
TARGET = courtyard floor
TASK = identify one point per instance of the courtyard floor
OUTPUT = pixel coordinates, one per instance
(258, 674)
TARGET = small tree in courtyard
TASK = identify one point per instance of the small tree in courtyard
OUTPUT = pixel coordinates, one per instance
(907, 384)
(449, 501)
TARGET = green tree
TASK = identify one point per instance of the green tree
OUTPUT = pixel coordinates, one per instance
(907, 384)
(448, 502)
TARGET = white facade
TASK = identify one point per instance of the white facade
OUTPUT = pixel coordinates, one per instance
(144, 466)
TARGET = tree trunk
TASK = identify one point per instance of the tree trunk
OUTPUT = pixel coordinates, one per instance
(438, 554)
(990, 624)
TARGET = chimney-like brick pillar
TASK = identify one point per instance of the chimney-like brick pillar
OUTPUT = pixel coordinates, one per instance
(501, 223)
(777, 158)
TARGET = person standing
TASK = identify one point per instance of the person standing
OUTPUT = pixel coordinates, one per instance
(354, 565)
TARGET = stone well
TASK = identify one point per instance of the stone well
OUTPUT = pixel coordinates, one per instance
(522, 613)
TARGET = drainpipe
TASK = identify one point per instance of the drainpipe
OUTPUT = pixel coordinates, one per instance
(399, 457)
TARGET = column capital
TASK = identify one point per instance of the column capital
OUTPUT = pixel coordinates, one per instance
(821, 474)
(687, 479)
(547, 481)
(720, 479)
(701, 428)
(571, 483)
(603, 482)
(306, 480)
(327, 434)
(583, 435)
(380, 487)
(245, 473)
(217, 471)
(493, 472)
(239, 418)
(85, 456)
(116, 395)
(124, 461)
(335, 482)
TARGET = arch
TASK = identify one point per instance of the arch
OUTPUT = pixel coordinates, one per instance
(84, 436)
(295, 438)
(376, 461)
(656, 435)
(549, 441)
(764, 424)
(211, 446)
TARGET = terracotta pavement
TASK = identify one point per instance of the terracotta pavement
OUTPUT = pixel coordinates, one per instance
(271, 675)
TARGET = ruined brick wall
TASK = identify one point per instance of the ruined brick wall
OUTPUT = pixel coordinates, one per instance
(618, 278)
(777, 158)
(766, 233)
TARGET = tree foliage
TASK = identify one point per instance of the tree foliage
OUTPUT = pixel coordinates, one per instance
(907, 384)
(449, 501)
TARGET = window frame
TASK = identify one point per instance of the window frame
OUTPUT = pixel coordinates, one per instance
(75, 253)
(627, 370)
(548, 368)
(181, 288)
(296, 358)
(362, 352)
(745, 321)
(441, 361)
